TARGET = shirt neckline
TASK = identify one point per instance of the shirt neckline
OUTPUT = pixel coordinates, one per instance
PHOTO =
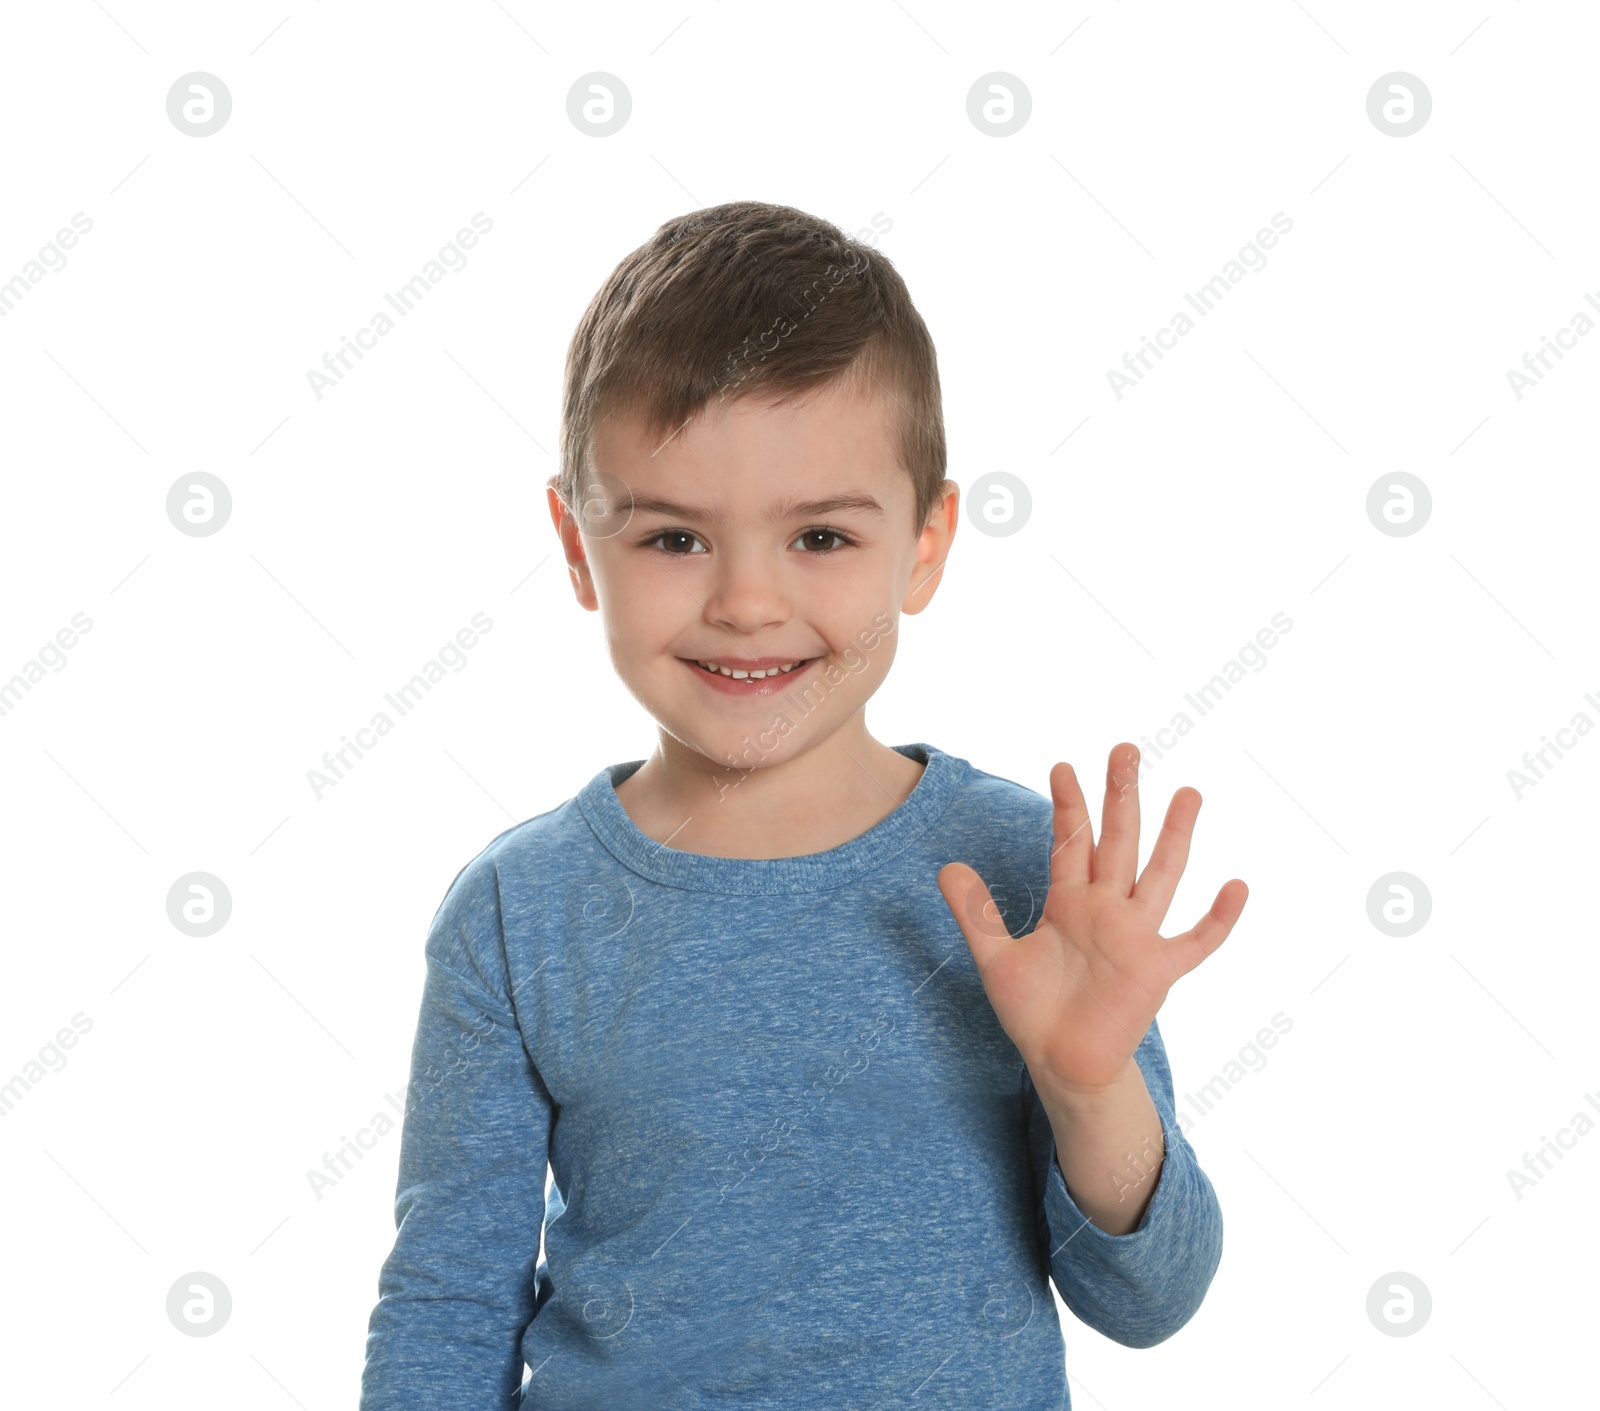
(808, 872)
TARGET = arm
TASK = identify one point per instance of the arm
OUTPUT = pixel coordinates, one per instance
(1078, 996)
(1138, 1287)
(458, 1289)
(1107, 1146)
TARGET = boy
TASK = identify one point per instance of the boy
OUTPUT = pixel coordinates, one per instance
(809, 1148)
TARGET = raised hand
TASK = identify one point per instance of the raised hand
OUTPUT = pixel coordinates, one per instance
(1078, 992)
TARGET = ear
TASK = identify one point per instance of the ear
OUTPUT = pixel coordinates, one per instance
(933, 548)
(571, 546)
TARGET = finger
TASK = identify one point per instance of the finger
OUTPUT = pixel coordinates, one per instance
(1073, 843)
(1212, 929)
(981, 921)
(1159, 880)
(1117, 857)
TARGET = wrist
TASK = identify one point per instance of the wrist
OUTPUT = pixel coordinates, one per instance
(1082, 1099)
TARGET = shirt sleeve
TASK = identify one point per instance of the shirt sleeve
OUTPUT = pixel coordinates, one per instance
(460, 1286)
(1140, 1287)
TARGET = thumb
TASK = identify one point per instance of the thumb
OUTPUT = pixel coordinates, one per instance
(975, 911)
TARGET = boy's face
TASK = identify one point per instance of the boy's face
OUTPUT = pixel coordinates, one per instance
(730, 555)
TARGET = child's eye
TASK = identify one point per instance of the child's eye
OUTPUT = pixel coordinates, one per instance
(655, 540)
(669, 541)
(823, 531)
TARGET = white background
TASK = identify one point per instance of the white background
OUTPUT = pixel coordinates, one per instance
(369, 526)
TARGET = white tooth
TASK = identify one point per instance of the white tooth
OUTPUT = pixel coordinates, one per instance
(749, 675)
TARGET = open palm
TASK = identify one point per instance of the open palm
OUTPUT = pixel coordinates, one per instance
(1077, 993)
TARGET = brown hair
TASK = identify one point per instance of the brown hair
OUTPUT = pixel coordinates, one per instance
(750, 299)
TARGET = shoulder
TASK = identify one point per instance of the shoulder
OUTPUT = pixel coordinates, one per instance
(538, 850)
(508, 881)
(997, 800)
(1002, 830)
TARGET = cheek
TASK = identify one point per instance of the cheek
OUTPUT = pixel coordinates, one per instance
(631, 590)
(856, 589)
(844, 609)
(877, 657)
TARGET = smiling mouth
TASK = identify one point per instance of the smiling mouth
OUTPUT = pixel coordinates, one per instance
(753, 678)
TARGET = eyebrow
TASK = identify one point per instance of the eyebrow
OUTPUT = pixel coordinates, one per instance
(784, 509)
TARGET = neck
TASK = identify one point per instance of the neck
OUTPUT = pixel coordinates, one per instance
(788, 804)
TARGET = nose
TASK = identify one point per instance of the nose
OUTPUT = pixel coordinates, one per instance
(747, 592)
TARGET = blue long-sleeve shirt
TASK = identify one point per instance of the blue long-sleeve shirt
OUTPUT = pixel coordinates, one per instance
(797, 1162)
